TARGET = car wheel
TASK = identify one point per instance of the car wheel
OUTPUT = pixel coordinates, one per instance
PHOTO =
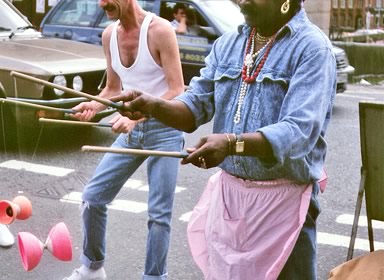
(8, 131)
(16, 136)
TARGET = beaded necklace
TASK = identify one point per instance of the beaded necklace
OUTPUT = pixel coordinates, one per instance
(249, 60)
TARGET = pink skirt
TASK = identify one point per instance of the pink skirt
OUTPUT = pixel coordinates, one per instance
(246, 230)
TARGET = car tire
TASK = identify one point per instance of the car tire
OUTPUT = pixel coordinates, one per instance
(16, 136)
(8, 131)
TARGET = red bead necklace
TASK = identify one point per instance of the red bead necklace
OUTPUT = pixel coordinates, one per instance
(248, 64)
(249, 60)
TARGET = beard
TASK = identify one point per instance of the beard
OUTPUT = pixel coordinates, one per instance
(109, 7)
(250, 14)
(112, 11)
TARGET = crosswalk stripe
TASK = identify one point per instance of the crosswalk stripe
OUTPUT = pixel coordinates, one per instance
(140, 186)
(37, 168)
(327, 238)
(185, 217)
(117, 204)
(347, 219)
(343, 241)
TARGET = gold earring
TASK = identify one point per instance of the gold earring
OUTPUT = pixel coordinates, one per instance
(285, 7)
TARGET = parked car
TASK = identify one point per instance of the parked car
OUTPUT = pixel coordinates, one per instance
(343, 69)
(23, 49)
(83, 20)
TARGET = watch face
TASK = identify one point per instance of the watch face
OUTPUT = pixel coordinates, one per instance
(239, 147)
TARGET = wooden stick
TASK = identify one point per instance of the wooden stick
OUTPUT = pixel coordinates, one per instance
(134, 152)
(104, 101)
(36, 106)
(45, 120)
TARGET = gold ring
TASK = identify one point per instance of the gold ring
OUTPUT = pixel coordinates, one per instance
(202, 162)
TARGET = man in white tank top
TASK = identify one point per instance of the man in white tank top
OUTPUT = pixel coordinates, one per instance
(142, 53)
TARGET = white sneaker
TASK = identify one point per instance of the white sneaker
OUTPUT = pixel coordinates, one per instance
(84, 273)
(6, 237)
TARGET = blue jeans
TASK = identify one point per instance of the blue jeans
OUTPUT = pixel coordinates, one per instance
(111, 174)
(302, 263)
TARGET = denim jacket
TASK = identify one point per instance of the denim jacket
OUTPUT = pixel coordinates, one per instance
(290, 103)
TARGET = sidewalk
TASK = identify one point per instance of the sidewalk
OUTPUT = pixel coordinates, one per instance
(365, 88)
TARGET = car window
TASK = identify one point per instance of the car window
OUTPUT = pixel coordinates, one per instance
(76, 13)
(226, 15)
(145, 4)
(105, 21)
(198, 26)
(9, 19)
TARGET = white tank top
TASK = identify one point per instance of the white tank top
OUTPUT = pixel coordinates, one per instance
(144, 74)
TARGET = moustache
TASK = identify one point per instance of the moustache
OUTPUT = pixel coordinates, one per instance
(246, 9)
(108, 7)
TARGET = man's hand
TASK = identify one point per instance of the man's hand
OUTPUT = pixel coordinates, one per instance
(209, 152)
(87, 110)
(122, 124)
(136, 105)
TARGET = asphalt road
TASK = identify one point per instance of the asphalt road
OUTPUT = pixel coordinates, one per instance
(53, 171)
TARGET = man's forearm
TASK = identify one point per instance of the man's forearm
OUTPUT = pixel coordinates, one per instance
(175, 114)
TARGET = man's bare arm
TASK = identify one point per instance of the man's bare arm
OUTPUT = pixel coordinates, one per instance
(173, 113)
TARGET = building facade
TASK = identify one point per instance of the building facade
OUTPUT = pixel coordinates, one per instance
(350, 15)
(319, 13)
(34, 10)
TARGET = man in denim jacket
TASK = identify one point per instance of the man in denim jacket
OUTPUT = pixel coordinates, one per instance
(269, 87)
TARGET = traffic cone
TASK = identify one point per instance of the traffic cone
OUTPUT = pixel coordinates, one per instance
(19, 208)
(58, 243)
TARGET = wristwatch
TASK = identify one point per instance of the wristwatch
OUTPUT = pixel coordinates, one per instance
(239, 144)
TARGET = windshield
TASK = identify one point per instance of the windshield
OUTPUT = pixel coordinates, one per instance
(10, 20)
(224, 13)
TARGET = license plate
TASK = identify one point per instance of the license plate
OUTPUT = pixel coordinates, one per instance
(342, 78)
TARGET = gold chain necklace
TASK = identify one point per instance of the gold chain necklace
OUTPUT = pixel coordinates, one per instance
(262, 39)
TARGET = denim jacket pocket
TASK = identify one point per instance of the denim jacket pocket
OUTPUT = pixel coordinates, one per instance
(226, 87)
(271, 87)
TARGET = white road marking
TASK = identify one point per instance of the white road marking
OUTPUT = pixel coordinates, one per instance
(363, 97)
(140, 186)
(185, 217)
(139, 207)
(37, 168)
(333, 239)
(343, 241)
(347, 219)
(117, 204)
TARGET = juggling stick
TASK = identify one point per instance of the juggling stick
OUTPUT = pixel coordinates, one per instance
(36, 106)
(134, 151)
(104, 101)
(19, 208)
(45, 120)
(58, 243)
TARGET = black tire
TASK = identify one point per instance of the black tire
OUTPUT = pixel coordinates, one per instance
(8, 130)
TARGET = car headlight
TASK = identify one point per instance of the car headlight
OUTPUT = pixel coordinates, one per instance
(61, 81)
(77, 83)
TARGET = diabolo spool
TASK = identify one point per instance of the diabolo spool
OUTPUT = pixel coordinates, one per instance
(58, 243)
